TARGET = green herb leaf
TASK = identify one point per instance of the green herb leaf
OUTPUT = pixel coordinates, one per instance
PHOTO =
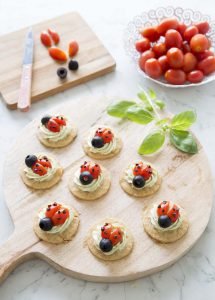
(152, 143)
(143, 97)
(138, 114)
(183, 120)
(152, 94)
(119, 109)
(184, 141)
(160, 103)
(162, 122)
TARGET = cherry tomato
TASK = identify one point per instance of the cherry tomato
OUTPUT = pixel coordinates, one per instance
(207, 65)
(60, 120)
(205, 54)
(166, 24)
(54, 35)
(106, 230)
(163, 63)
(185, 47)
(203, 27)
(45, 162)
(142, 45)
(60, 216)
(150, 33)
(190, 32)
(173, 213)
(85, 167)
(159, 49)
(175, 76)
(175, 58)
(163, 208)
(39, 169)
(51, 209)
(195, 76)
(116, 236)
(94, 170)
(107, 136)
(181, 28)
(153, 68)
(199, 43)
(144, 57)
(173, 39)
(190, 62)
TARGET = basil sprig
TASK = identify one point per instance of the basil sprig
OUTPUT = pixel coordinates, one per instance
(147, 110)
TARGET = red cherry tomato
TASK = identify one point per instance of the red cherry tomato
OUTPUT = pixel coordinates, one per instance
(54, 35)
(94, 170)
(53, 126)
(175, 58)
(144, 57)
(175, 76)
(199, 43)
(173, 39)
(107, 136)
(60, 120)
(51, 209)
(207, 65)
(116, 236)
(173, 213)
(181, 28)
(190, 32)
(106, 230)
(190, 62)
(153, 68)
(163, 208)
(142, 45)
(166, 24)
(195, 76)
(146, 172)
(185, 47)
(205, 54)
(138, 168)
(150, 33)
(45, 39)
(159, 49)
(39, 169)
(203, 27)
(60, 216)
(45, 162)
(163, 63)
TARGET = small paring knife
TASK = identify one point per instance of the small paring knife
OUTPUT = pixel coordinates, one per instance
(24, 99)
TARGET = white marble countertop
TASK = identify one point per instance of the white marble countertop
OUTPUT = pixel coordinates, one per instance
(193, 277)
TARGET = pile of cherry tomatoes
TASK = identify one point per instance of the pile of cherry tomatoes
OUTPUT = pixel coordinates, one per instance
(178, 52)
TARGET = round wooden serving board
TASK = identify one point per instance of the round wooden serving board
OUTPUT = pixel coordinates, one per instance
(186, 180)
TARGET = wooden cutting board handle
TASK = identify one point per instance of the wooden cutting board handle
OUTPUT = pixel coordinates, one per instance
(13, 252)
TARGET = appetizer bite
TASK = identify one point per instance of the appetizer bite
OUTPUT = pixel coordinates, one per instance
(56, 223)
(90, 182)
(110, 240)
(56, 131)
(102, 143)
(165, 222)
(140, 179)
(41, 171)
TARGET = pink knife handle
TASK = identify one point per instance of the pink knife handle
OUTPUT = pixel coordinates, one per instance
(24, 100)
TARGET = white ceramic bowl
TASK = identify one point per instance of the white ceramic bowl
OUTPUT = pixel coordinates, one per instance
(154, 17)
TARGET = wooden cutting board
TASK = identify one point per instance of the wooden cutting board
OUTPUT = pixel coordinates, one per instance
(94, 59)
(186, 180)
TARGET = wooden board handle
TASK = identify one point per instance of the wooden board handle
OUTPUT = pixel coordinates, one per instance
(12, 254)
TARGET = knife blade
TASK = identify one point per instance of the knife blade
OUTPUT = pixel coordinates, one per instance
(24, 99)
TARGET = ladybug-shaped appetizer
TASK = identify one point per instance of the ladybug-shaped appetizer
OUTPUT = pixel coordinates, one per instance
(110, 241)
(102, 142)
(56, 131)
(165, 222)
(90, 181)
(140, 179)
(56, 223)
(41, 171)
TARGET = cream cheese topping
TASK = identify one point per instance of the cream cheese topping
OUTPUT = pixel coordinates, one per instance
(58, 228)
(107, 148)
(56, 136)
(92, 187)
(154, 220)
(50, 171)
(149, 183)
(96, 234)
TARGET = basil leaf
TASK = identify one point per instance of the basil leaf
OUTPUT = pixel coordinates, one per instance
(152, 94)
(160, 103)
(162, 122)
(138, 114)
(183, 120)
(119, 109)
(152, 143)
(184, 141)
(143, 97)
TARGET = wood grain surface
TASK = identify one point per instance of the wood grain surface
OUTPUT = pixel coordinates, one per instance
(186, 180)
(94, 59)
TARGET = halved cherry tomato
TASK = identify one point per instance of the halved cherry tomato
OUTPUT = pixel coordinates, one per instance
(181, 28)
(107, 136)
(52, 208)
(45, 162)
(142, 45)
(190, 62)
(207, 65)
(159, 49)
(53, 126)
(203, 27)
(54, 35)
(138, 168)
(94, 170)
(163, 208)
(106, 230)
(195, 76)
(39, 169)
(85, 166)
(175, 76)
(116, 236)
(146, 172)
(166, 24)
(153, 68)
(60, 216)
(173, 39)
(175, 58)
(205, 54)
(150, 33)
(163, 63)
(199, 43)
(144, 57)
(73, 48)
(190, 32)
(173, 213)
(60, 120)
(45, 39)
(57, 54)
